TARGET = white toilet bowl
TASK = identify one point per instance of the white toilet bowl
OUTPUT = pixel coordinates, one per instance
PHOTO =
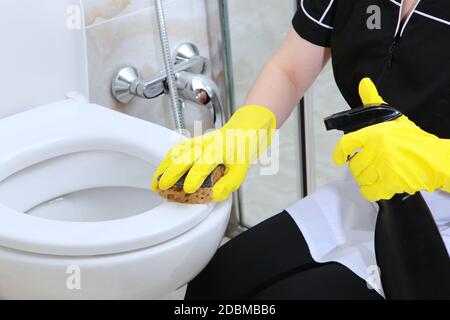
(77, 217)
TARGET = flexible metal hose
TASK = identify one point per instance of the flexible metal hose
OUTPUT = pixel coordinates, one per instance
(177, 108)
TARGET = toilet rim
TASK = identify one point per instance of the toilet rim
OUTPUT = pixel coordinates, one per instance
(37, 235)
(77, 123)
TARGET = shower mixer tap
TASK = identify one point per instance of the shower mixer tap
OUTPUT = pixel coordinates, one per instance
(202, 90)
(192, 83)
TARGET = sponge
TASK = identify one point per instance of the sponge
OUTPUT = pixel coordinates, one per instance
(201, 196)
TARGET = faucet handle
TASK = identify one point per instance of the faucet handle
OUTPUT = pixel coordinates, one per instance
(185, 52)
(123, 83)
(202, 90)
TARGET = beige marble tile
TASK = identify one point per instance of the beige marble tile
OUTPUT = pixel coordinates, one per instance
(98, 11)
(133, 39)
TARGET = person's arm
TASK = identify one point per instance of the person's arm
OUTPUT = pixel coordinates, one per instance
(281, 84)
(287, 75)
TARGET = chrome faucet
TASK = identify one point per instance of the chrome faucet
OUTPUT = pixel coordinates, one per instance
(201, 89)
(191, 80)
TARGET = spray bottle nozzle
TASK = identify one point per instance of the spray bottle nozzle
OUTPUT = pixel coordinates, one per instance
(358, 118)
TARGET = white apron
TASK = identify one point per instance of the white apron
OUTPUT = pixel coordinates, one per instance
(338, 224)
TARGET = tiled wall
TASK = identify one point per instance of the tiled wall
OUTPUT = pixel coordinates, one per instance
(124, 32)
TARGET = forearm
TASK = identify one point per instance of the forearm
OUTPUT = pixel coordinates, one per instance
(274, 90)
(287, 76)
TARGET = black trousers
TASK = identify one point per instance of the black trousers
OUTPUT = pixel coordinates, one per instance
(272, 261)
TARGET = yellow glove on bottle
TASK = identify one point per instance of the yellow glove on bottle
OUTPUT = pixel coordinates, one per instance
(239, 142)
(394, 157)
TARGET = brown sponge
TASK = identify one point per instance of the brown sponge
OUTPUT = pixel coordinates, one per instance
(201, 196)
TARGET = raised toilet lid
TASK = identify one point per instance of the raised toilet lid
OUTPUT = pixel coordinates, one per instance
(66, 127)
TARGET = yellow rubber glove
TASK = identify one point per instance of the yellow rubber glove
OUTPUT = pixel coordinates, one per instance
(394, 157)
(236, 145)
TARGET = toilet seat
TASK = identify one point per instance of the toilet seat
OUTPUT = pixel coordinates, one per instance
(67, 127)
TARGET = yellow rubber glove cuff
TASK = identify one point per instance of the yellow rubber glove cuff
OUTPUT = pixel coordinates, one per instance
(237, 144)
(394, 157)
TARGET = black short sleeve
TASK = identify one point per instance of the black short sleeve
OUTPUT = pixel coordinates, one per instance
(313, 21)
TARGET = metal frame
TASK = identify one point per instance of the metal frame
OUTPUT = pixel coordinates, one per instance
(305, 148)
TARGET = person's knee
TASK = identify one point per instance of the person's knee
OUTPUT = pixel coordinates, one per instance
(250, 259)
(214, 282)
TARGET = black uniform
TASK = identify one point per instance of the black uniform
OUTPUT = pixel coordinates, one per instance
(409, 62)
(410, 65)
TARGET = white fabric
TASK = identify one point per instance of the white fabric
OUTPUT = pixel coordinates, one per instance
(338, 225)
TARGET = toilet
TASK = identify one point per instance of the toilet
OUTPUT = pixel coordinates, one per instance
(77, 217)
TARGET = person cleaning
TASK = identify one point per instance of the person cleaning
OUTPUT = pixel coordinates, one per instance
(322, 246)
